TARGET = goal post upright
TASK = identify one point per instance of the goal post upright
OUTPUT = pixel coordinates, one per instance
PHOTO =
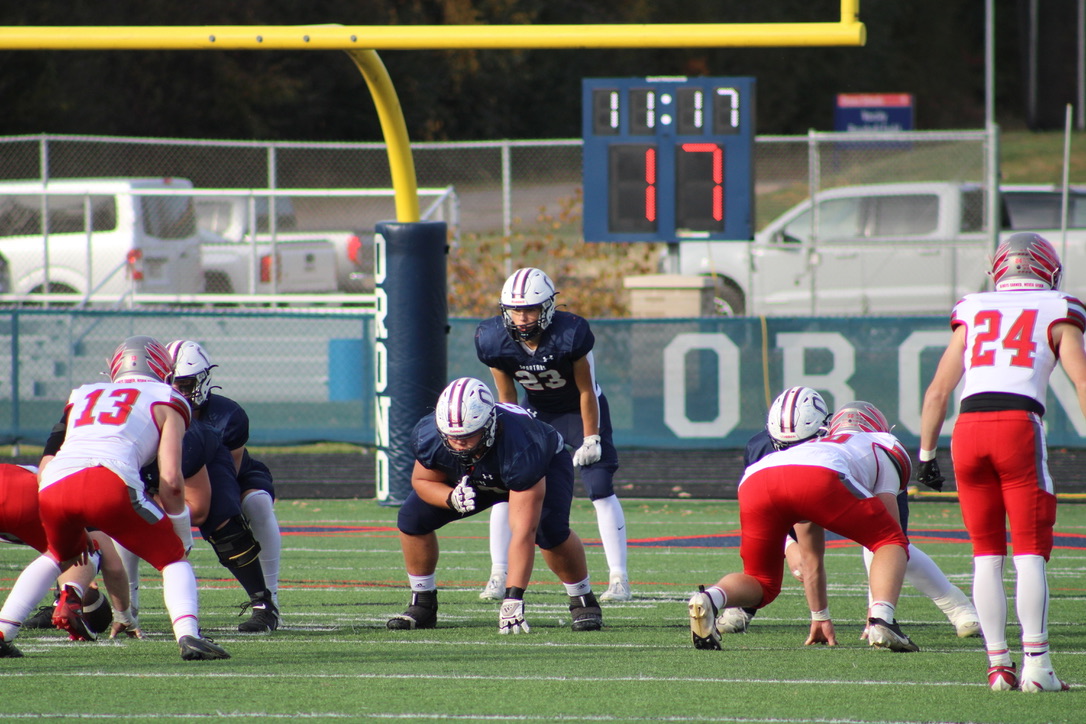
(361, 43)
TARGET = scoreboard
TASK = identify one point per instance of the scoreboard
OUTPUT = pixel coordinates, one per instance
(668, 159)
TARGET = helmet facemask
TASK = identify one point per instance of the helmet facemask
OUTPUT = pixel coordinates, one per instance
(464, 409)
(527, 288)
(192, 371)
(474, 453)
(525, 332)
(196, 388)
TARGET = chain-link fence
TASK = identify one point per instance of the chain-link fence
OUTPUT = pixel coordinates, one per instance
(300, 375)
(502, 185)
(515, 202)
(494, 193)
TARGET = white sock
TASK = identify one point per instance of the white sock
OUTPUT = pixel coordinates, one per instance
(179, 594)
(423, 583)
(883, 610)
(132, 568)
(612, 525)
(1031, 597)
(33, 583)
(868, 557)
(925, 575)
(1035, 650)
(581, 588)
(991, 601)
(952, 601)
(258, 508)
(500, 535)
(718, 597)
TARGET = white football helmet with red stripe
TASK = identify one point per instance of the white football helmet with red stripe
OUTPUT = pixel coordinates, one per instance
(140, 359)
(528, 287)
(464, 408)
(798, 414)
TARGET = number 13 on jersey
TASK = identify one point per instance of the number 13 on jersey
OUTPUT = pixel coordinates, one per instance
(668, 159)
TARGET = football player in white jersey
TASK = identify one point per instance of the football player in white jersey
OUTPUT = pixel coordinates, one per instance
(799, 415)
(113, 430)
(1005, 345)
(846, 482)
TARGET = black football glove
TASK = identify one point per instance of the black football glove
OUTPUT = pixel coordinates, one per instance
(927, 473)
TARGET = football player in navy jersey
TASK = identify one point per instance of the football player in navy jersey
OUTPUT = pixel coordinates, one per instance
(246, 508)
(221, 522)
(549, 353)
(470, 454)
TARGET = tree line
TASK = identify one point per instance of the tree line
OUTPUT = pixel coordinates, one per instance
(931, 48)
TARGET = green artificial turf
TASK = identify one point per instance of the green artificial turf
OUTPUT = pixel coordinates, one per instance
(343, 577)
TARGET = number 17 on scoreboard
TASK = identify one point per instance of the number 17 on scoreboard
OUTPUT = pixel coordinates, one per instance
(668, 159)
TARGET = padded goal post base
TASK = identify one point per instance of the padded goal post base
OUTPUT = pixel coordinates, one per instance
(411, 343)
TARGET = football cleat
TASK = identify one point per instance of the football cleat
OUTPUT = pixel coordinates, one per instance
(585, 613)
(1035, 679)
(703, 615)
(422, 613)
(961, 613)
(265, 617)
(8, 650)
(966, 624)
(42, 619)
(68, 616)
(734, 620)
(884, 635)
(1002, 678)
(618, 590)
(495, 588)
(200, 649)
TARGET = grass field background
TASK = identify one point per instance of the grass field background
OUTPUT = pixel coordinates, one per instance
(343, 577)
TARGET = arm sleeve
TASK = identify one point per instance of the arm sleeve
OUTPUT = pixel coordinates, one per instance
(57, 435)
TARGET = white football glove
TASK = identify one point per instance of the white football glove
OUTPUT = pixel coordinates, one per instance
(589, 452)
(462, 497)
(511, 618)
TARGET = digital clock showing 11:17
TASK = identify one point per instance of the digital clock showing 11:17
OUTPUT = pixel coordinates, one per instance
(668, 159)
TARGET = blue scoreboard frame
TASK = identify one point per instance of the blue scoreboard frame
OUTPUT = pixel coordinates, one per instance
(668, 159)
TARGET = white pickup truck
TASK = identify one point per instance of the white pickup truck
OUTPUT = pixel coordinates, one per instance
(884, 249)
(235, 260)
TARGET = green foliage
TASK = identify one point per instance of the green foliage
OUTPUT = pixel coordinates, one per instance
(335, 659)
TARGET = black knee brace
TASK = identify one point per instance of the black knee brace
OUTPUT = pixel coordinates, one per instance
(234, 543)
